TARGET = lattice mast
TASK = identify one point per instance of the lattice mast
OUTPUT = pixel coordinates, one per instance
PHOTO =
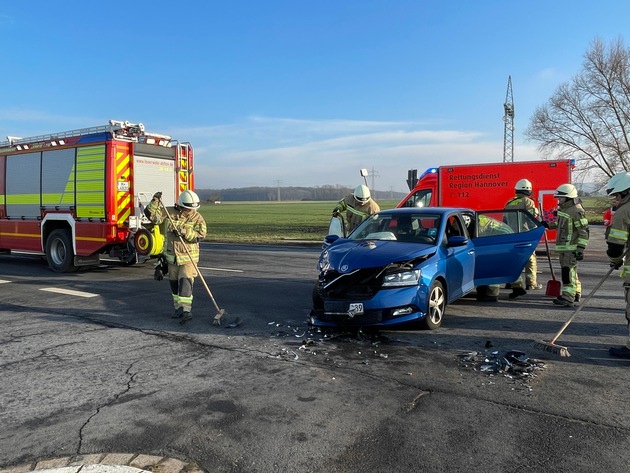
(508, 125)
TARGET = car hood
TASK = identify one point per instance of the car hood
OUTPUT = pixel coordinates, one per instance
(346, 255)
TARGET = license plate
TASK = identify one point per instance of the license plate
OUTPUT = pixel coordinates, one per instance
(355, 308)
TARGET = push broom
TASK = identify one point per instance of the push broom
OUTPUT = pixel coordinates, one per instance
(551, 346)
(220, 312)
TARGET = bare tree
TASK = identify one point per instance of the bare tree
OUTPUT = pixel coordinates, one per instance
(588, 119)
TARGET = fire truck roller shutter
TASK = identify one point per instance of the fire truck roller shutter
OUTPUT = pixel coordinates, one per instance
(58, 185)
(22, 186)
(151, 175)
(90, 182)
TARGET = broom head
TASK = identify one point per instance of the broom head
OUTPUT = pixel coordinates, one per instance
(554, 288)
(552, 348)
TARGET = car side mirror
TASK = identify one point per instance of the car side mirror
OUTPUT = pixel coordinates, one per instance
(457, 240)
(331, 238)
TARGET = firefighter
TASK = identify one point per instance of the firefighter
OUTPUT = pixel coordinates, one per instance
(358, 206)
(183, 229)
(571, 241)
(523, 200)
(617, 240)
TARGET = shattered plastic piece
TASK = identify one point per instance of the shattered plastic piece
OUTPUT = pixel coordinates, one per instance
(513, 365)
(516, 356)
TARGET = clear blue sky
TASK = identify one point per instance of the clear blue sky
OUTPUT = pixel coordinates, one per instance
(297, 91)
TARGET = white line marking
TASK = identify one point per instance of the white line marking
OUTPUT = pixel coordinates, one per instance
(70, 292)
(3, 281)
(224, 269)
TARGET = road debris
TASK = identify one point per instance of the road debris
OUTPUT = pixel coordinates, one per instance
(513, 364)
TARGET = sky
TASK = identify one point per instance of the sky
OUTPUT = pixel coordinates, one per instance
(299, 92)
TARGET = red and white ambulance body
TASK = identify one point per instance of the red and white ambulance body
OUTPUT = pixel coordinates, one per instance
(489, 186)
(79, 194)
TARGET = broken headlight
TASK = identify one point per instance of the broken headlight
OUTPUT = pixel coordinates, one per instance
(398, 278)
(324, 263)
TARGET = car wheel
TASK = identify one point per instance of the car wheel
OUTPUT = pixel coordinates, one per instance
(435, 307)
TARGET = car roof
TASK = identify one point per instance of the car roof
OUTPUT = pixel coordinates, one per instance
(429, 210)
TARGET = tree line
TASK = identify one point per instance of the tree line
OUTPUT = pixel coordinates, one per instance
(327, 192)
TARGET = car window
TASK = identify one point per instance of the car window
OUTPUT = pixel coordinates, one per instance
(421, 198)
(408, 228)
(454, 227)
(503, 222)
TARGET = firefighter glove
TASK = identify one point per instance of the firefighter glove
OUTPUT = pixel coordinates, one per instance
(157, 275)
(157, 196)
(579, 255)
(615, 265)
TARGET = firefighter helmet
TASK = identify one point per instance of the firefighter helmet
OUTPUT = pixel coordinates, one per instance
(523, 186)
(362, 194)
(614, 181)
(566, 190)
(618, 183)
(188, 200)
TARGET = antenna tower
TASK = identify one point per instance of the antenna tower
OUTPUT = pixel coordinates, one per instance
(508, 125)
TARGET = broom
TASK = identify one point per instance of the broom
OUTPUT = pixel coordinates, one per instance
(554, 287)
(550, 346)
(220, 312)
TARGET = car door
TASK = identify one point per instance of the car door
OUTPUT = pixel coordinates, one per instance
(500, 250)
(460, 257)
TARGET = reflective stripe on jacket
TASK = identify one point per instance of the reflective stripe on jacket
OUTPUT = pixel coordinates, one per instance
(572, 227)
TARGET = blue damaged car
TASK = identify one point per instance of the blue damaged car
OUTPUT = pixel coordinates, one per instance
(406, 265)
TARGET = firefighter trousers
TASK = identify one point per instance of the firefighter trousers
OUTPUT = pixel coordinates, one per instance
(181, 278)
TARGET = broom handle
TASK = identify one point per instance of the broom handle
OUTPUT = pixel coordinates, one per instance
(553, 276)
(577, 311)
(168, 215)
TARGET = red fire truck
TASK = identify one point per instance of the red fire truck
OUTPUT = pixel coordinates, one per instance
(489, 186)
(80, 194)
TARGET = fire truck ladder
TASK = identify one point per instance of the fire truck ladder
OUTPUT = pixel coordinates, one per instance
(118, 129)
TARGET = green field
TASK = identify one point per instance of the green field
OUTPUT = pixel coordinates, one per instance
(282, 222)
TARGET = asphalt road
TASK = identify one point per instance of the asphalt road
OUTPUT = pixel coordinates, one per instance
(106, 369)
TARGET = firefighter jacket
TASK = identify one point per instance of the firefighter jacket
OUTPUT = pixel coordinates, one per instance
(356, 212)
(521, 202)
(572, 226)
(191, 226)
(618, 234)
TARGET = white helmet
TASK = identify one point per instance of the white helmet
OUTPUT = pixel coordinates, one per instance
(188, 200)
(618, 183)
(566, 190)
(362, 194)
(523, 186)
(614, 181)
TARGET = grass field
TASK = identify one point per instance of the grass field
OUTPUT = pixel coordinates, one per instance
(282, 222)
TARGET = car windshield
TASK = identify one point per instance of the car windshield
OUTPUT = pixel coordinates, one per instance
(403, 227)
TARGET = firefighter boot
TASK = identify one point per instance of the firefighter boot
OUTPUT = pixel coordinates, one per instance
(186, 316)
(516, 292)
(179, 312)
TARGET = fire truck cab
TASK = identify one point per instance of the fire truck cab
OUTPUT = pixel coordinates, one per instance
(76, 195)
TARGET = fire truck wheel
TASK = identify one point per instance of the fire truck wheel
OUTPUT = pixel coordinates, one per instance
(59, 252)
